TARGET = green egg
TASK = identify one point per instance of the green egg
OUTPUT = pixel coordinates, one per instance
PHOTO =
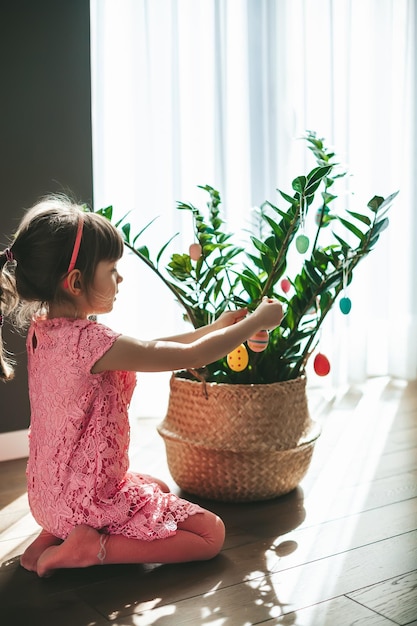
(345, 305)
(302, 243)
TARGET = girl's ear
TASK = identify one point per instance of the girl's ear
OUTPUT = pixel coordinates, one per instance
(73, 283)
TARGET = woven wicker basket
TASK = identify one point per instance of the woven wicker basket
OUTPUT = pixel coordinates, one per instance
(238, 442)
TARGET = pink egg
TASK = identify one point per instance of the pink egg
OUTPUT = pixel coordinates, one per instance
(321, 364)
(195, 251)
(285, 285)
(259, 341)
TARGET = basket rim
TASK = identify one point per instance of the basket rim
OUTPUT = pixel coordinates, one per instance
(176, 376)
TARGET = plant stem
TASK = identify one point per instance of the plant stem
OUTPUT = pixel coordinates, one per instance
(282, 254)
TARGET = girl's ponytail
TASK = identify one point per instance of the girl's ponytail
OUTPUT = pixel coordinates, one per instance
(9, 301)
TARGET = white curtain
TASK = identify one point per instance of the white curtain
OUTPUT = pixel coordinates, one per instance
(219, 92)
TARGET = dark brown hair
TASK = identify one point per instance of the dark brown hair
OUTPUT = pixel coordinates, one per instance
(41, 250)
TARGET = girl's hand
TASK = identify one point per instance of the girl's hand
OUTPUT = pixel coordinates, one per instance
(269, 313)
(228, 318)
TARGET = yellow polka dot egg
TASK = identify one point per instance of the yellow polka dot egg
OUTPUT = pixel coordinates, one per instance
(238, 359)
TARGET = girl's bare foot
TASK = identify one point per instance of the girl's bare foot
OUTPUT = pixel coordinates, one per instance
(44, 540)
(80, 549)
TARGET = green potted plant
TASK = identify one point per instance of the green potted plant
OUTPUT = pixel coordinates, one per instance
(243, 432)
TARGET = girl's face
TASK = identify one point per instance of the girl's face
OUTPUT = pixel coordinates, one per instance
(105, 286)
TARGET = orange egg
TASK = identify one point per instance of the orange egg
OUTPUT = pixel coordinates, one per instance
(259, 341)
(238, 359)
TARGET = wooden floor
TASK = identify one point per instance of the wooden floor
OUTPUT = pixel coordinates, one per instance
(339, 550)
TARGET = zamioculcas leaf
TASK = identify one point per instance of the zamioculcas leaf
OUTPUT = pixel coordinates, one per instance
(126, 232)
(354, 229)
(267, 264)
(312, 273)
(288, 198)
(164, 247)
(250, 288)
(375, 203)
(299, 183)
(276, 228)
(314, 179)
(218, 287)
(381, 226)
(117, 224)
(107, 212)
(260, 245)
(136, 237)
(327, 197)
(143, 250)
(363, 218)
(325, 298)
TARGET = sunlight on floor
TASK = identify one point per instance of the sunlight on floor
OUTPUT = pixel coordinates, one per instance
(363, 432)
(19, 530)
(152, 617)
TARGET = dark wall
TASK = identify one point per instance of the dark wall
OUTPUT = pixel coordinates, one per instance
(45, 132)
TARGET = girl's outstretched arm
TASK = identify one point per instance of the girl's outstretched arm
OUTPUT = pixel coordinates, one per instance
(161, 355)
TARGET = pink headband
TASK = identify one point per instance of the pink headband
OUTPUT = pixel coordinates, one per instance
(76, 248)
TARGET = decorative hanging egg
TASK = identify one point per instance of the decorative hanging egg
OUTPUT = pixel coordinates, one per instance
(195, 251)
(285, 285)
(238, 359)
(259, 341)
(321, 364)
(301, 243)
(318, 219)
(345, 305)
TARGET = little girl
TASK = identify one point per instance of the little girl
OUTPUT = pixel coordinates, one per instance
(60, 269)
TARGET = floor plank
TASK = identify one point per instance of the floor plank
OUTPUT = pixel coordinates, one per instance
(338, 612)
(395, 598)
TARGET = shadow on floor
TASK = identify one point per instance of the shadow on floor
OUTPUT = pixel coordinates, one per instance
(93, 596)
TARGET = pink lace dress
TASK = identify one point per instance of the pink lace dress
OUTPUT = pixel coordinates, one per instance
(77, 470)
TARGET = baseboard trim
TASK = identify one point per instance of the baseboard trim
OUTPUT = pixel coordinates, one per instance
(14, 445)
